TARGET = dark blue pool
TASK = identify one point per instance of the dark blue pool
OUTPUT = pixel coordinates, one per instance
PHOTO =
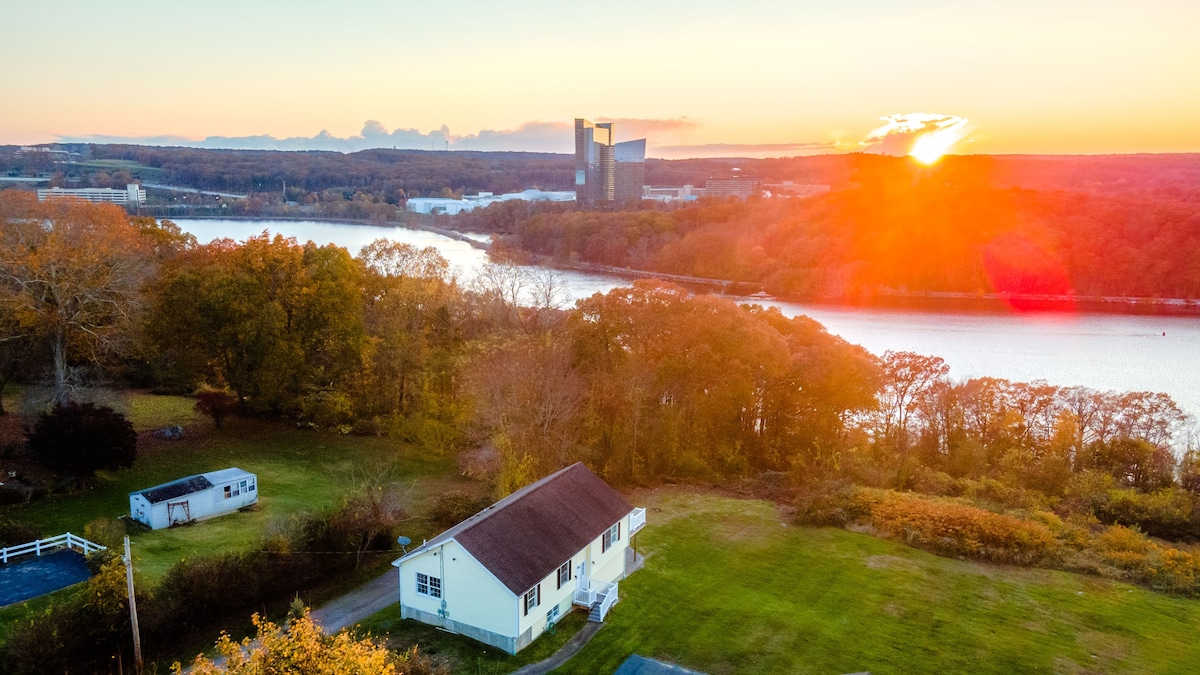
(33, 576)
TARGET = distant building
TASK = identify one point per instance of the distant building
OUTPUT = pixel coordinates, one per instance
(686, 193)
(451, 207)
(604, 169)
(57, 156)
(790, 189)
(132, 195)
(742, 188)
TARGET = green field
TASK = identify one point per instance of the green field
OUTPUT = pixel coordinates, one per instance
(731, 587)
(298, 471)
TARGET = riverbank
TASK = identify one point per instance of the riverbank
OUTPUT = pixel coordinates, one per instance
(922, 301)
(426, 227)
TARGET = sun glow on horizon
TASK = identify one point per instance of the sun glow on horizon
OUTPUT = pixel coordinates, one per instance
(923, 136)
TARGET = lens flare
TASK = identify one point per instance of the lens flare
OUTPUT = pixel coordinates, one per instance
(923, 136)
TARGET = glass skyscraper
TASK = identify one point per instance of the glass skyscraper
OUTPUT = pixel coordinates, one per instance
(604, 169)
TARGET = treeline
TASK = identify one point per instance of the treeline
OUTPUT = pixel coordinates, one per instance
(899, 227)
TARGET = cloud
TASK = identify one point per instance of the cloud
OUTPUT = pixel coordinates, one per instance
(755, 150)
(535, 136)
(673, 129)
(898, 133)
(529, 137)
(667, 139)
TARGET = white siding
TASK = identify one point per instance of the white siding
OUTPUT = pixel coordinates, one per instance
(608, 566)
(552, 595)
(471, 594)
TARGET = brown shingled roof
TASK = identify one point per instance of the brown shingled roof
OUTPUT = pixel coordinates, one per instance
(527, 535)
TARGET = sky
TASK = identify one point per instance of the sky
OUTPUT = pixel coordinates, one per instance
(695, 77)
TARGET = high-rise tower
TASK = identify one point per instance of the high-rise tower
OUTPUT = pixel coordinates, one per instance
(604, 169)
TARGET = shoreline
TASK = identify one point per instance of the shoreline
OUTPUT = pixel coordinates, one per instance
(923, 301)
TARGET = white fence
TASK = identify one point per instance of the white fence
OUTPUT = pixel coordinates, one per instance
(41, 546)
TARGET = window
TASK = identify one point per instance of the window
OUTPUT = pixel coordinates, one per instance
(228, 494)
(427, 585)
(252, 485)
(564, 574)
(533, 598)
(552, 615)
(611, 537)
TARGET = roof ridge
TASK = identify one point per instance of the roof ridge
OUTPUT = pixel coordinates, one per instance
(512, 498)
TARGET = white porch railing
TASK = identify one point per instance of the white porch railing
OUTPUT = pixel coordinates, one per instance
(608, 598)
(40, 546)
(637, 520)
(585, 596)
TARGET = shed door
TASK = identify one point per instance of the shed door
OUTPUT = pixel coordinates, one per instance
(178, 512)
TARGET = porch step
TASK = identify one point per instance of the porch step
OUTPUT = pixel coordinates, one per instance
(594, 614)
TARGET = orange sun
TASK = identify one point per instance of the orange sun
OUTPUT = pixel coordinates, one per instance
(923, 136)
(931, 145)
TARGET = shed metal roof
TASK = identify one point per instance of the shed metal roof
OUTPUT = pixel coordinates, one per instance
(191, 484)
(226, 475)
(176, 488)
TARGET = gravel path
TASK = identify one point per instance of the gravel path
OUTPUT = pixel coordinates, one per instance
(377, 594)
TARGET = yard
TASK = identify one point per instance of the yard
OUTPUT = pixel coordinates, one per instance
(298, 471)
(731, 587)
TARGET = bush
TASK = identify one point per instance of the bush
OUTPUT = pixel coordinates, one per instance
(14, 532)
(455, 506)
(78, 439)
(827, 503)
(1169, 513)
(955, 529)
(215, 403)
(108, 532)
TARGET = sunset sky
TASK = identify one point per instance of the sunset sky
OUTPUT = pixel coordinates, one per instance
(698, 78)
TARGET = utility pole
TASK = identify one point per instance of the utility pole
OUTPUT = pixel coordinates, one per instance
(137, 634)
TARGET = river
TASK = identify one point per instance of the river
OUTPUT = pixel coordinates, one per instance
(1102, 351)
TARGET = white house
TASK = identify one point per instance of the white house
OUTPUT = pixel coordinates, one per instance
(505, 574)
(205, 495)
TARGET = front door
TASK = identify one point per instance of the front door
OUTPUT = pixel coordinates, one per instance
(581, 575)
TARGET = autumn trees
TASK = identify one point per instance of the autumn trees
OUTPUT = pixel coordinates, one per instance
(650, 382)
(69, 278)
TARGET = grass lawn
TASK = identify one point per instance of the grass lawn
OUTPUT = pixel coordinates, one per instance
(729, 587)
(298, 471)
(463, 654)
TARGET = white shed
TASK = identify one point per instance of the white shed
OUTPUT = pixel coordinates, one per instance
(205, 495)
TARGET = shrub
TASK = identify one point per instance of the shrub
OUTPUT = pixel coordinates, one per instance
(955, 529)
(455, 506)
(215, 403)
(1168, 513)
(78, 439)
(13, 532)
(827, 503)
(108, 532)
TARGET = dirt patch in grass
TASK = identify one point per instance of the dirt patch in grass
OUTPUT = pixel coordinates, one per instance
(891, 562)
